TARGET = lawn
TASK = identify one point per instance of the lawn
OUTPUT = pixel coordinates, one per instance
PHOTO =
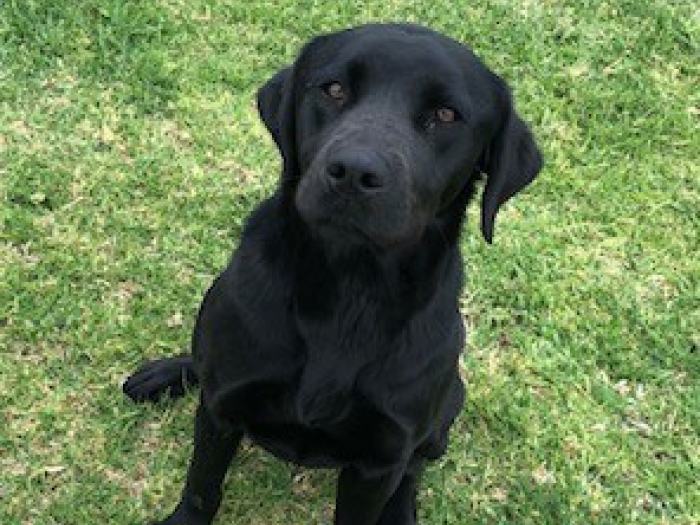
(131, 152)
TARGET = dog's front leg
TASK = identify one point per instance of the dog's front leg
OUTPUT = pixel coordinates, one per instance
(361, 497)
(213, 452)
(401, 508)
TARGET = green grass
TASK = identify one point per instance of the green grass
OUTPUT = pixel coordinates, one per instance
(130, 153)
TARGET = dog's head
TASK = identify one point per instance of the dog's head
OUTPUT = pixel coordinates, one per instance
(381, 127)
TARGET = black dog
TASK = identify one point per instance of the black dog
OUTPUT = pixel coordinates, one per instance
(332, 338)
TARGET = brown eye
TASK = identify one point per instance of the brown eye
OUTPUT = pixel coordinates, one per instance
(442, 115)
(446, 115)
(335, 91)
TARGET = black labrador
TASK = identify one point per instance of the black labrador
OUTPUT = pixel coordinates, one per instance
(332, 338)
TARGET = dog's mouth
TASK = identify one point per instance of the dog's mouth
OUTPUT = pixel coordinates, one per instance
(342, 232)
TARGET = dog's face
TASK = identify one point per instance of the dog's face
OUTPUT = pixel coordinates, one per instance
(381, 127)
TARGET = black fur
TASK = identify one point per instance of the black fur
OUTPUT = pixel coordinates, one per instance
(332, 338)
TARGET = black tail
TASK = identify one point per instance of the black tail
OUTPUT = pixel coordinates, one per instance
(171, 377)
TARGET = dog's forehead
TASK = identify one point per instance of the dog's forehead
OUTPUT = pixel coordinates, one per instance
(390, 53)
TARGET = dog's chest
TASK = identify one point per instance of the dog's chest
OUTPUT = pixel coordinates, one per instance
(331, 383)
(349, 403)
(333, 407)
(341, 349)
(328, 419)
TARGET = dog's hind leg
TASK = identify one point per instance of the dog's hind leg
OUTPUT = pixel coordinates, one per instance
(171, 377)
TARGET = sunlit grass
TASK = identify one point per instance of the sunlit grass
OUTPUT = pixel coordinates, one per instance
(130, 154)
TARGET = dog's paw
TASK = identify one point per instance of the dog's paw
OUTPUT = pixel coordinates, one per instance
(171, 376)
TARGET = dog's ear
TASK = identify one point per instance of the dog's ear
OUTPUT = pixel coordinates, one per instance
(276, 107)
(511, 161)
(270, 97)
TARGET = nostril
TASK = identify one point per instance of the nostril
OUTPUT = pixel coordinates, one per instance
(370, 181)
(336, 170)
(356, 171)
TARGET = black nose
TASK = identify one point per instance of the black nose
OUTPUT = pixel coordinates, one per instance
(360, 171)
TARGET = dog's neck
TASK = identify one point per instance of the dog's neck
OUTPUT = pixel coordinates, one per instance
(399, 281)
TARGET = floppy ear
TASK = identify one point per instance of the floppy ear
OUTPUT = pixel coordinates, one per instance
(511, 162)
(270, 101)
(276, 108)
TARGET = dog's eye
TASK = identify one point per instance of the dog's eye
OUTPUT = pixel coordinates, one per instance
(443, 115)
(335, 91)
(446, 115)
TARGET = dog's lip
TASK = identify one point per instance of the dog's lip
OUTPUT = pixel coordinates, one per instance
(334, 228)
(335, 222)
(346, 227)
